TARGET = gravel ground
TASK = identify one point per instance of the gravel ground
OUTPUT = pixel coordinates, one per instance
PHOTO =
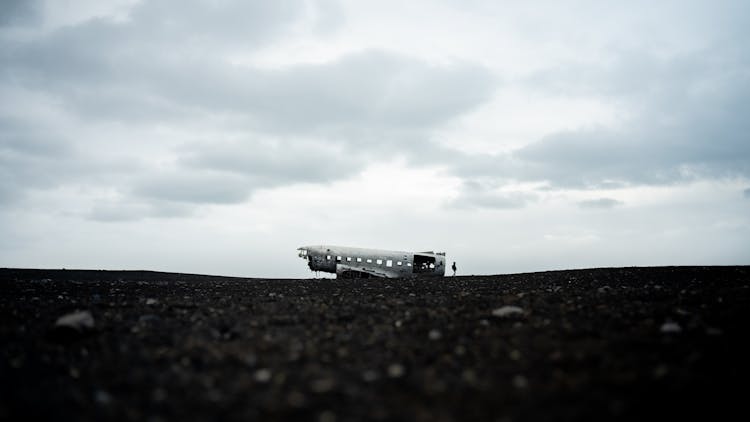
(599, 344)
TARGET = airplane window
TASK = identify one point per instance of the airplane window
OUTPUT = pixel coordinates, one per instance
(379, 261)
(389, 263)
(398, 263)
(408, 264)
(338, 259)
(369, 261)
(349, 258)
(359, 259)
(328, 257)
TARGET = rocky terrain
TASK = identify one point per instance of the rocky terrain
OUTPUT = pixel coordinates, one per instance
(598, 344)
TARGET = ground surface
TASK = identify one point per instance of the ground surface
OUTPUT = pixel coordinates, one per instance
(600, 344)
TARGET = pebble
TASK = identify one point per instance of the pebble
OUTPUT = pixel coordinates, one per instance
(520, 382)
(711, 331)
(370, 376)
(660, 371)
(327, 416)
(395, 370)
(435, 335)
(262, 375)
(670, 327)
(469, 376)
(151, 301)
(322, 385)
(79, 321)
(507, 311)
(102, 397)
(296, 399)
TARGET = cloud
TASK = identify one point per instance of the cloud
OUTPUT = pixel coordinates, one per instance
(685, 127)
(193, 187)
(168, 66)
(18, 12)
(476, 194)
(31, 158)
(600, 203)
(272, 163)
(167, 60)
(229, 173)
(123, 210)
(746, 192)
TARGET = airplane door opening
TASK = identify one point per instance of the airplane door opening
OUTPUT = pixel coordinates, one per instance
(423, 264)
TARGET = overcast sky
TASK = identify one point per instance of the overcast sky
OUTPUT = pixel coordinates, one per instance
(218, 136)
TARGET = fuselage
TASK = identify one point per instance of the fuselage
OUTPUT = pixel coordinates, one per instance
(348, 262)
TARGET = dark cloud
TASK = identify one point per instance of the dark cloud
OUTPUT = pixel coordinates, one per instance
(600, 203)
(316, 123)
(167, 64)
(226, 173)
(687, 127)
(19, 12)
(373, 90)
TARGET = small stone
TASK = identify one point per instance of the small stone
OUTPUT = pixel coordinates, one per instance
(262, 375)
(435, 335)
(370, 376)
(102, 397)
(660, 371)
(603, 289)
(711, 331)
(670, 327)
(323, 385)
(395, 370)
(250, 359)
(520, 382)
(145, 319)
(515, 355)
(79, 321)
(296, 399)
(469, 376)
(151, 301)
(159, 394)
(327, 416)
(507, 311)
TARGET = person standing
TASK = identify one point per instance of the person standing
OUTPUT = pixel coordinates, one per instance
(453, 267)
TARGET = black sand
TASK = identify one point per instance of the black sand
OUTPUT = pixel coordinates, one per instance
(601, 344)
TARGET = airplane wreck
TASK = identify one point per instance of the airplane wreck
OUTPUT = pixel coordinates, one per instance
(347, 262)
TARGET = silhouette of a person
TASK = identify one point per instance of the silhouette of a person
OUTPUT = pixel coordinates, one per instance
(453, 267)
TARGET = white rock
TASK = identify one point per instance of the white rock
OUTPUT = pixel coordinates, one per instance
(263, 375)
(395, 370)
(670, 327)
(435, 335)
(79, 321)
(507, 311)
